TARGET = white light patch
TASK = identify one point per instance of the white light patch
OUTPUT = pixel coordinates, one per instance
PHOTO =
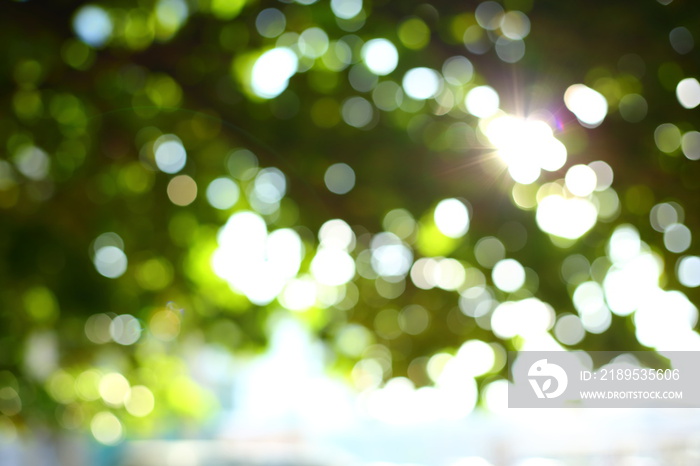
(478, 357)
(528, 318)
(380, 56)
(523, 172)
(346, 9)
(272, 71)
(589, 301)
(93, 25)
(624, 244)
(553, 155)
(253, 262)
(170, 154)
(525, 146)
(569, 330)
(488, 251)
(270, 22)
(566, 218)
(603, 174)
(688, 93)
(421, 83)
(510, 51)
(139, 401)
(106, 428)
(110, 261)
(688, 271)
(508, 275)
(452, 218)
(580, 180)
(588, 298)
(495, 396)
(390, 257)
(448, 274)
(32, 162)
(172, 13)
(113, 388)
(663, 215)
(589, 106)
(677, 238)
(108, 239)
(270, 185)
(299, 294)
(125, 329)
(313, 42)
(663, 318)
(332, 267)
(598, 321)
(458, 70)
(339, 178)
(357, 112)
(476, 301)
(515, 25)
(223, 193)
(690, 143)
(628, 285)
(482, 101)
(422, 273)
(454, 398)
(489, 15)
(337, 234)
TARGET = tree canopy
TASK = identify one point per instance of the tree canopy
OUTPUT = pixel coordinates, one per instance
(414, 182)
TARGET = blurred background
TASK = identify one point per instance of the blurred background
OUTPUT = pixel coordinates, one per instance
(240, 232)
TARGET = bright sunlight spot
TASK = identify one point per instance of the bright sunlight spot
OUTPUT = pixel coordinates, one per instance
(566, 218)
(255, 263)
(688, 93)
(272, 71)
(525, 146)
(452, 218)
(421, 83)
(93, 25)
(508, 275)
(589, 106)
(380, 56)
(581, 180)
(482, 101)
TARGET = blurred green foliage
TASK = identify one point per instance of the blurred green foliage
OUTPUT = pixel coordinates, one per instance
(79, 121)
